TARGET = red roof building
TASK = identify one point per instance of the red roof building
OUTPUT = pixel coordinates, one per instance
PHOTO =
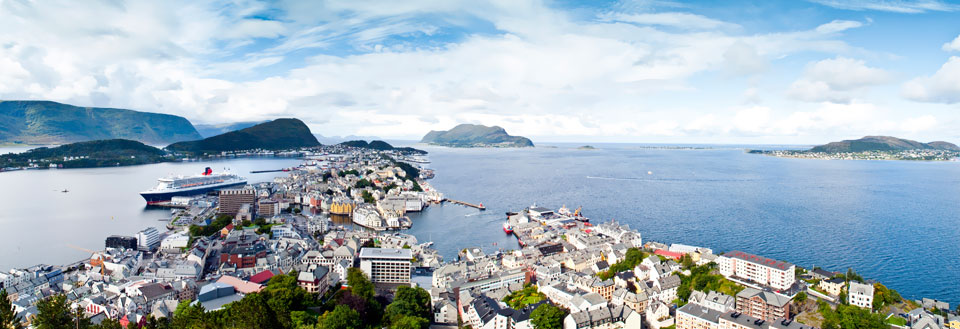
(669, 254)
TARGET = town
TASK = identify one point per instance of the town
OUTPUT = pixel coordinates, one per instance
(280, 254)
(916, 155)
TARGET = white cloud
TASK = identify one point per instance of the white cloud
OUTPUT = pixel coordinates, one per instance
(836, 80)
(942, 87)
(897, 6)
(838, 26)
(952, 45)
(671, 19)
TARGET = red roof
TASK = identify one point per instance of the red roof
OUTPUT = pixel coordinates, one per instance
(665, 253)
(261, 277)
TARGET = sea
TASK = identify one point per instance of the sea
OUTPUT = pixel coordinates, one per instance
(891, 221)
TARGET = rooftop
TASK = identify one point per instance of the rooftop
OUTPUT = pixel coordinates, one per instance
(768, 262)
(386, 253)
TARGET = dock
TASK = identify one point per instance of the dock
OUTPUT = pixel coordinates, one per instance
(266, 171)
(462, 203)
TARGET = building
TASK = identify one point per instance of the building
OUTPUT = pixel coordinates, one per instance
(832, 286)
(860, 294)
(695, 316)
(268, 208)
(174, 242)
(765, 271)
(148, 239)
(737, 320)
(316, 280)
(119, 241)
(764, 305)
(231, 200)
(714, 300)
(386, 265)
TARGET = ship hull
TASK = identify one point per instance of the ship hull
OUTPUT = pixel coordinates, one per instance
(164, 196)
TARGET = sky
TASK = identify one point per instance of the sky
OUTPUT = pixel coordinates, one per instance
(757, 72)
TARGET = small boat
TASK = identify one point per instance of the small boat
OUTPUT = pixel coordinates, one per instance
(507, 228)
(65, 191)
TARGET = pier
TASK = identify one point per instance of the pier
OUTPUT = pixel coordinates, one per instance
(462, 203)
(266, 171)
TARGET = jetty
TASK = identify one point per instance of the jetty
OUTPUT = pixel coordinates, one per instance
(462, 203)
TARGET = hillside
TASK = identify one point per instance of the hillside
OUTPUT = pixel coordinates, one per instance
(381, 145)
(45, 122)
(468, 135)
(278, 134)
(881, 143)
(217, 129)
(99, 153)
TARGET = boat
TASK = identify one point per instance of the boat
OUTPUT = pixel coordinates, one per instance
(169, 187)
(507, 228)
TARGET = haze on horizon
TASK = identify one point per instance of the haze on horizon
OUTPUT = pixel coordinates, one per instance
(758, 72)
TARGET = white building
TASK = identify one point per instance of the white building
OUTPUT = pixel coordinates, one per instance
(148, 239)
(174, 242)
(860, 294)
(762, 270)
(386, 265)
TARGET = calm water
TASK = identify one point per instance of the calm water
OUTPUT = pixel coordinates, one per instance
(891, 221)
(41, 224)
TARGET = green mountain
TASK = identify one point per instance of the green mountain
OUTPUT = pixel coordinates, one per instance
(217, 129)
(45, 122)
(882, 143)
(382, 146)
(468, 135)
(278, 134)
(99, 153)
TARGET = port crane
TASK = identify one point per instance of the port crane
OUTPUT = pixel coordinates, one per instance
(95, 260)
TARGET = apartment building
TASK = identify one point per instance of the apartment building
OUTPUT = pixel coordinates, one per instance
(386, 265)
(765, 271)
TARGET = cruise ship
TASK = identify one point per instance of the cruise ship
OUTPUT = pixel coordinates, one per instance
(170, 187)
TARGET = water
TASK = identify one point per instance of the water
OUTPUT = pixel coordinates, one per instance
(41, 224)
(893, 221)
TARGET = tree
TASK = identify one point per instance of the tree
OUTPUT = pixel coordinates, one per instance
(800, 298)
(110, 324)
(8, 317)
(687, 261)
(342, 317)
(547, 316)
(409, 302)
(251, 312)
(367, 197)
(359, 284)
(54, 313)
(410, 322)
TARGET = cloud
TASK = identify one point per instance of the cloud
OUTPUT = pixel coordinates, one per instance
(942, 87)
(952, 45)
(897, 6)
(671, 19)
(838, 26)
(836, 80)
(743, 58)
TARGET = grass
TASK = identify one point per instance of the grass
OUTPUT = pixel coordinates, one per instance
(896, 320)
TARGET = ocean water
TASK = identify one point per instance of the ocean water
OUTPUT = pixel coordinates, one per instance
(892, 221)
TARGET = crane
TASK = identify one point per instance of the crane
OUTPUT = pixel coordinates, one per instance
(94, 261)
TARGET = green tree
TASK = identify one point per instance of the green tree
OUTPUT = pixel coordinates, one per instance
(359, 284)
(547, 316)
(523, 297)
(302, 319)
(409, 302)
(109, 324)
(54, 313)
(191, 316)
(342, 317)
(8, 318)
(251, 312)
(687, 261)
(410, 322)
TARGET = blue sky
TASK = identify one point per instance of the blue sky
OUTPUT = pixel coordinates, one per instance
(790, 72)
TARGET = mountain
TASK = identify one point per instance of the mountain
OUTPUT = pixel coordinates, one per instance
(45, 122)
(882, 143)
(330, 140)
(278, 134)
(468, 135)
(217, 129)
(381, 145)
(98, 153)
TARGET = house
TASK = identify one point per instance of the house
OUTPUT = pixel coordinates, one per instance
(821, 274)
(737, 320)
(833, 287)
(658, 316)
(860, 295)
(714, 300)
(314, 280)
(764, 305)
(695, 316)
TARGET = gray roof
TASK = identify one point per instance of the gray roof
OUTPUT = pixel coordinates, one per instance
(770, 298)
(392, 253)
(700, 312)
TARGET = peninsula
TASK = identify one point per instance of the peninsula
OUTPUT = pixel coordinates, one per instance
(469, 135)
(45, 123)
(278, 134)
(381, 146)
(873, 148)
(100, 153)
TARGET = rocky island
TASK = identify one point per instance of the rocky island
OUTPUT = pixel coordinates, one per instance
(874, 148)
(469, 135)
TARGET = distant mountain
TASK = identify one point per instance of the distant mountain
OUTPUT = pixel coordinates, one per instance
(381, 145)
(882, 143)
(99, 153)
(217, 129)
(278, 134)
(468, 135)
(330, 140)
(45, 122)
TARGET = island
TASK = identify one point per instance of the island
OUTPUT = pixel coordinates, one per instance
(278, 134)
(382, 146)
(873, 148)
(470, 135)
(46, 123)
(210, 130)
(100, 153)
(587, 147)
